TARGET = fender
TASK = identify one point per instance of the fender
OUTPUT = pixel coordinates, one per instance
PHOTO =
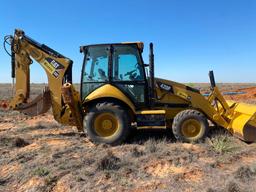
(109, 91)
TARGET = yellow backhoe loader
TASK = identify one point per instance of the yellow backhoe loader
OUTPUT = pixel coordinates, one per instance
(118, 91)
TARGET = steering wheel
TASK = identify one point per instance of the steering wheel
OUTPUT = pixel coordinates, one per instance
(130, 73)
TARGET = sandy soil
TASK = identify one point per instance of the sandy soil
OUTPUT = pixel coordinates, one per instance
(38, 154)
(248, 95)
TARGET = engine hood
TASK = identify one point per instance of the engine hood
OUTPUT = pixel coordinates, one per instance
(168, 84)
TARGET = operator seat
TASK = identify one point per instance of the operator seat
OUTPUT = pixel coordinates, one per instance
(102, 75)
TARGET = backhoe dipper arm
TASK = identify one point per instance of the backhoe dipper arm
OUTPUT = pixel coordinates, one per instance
(59, 71)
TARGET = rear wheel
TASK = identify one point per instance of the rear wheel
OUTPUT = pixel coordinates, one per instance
(107, 123)
(190, 126)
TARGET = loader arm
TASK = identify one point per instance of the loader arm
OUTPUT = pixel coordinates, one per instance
(64, 100)
(238, 118)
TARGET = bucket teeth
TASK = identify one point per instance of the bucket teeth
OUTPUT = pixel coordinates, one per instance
(41, 104)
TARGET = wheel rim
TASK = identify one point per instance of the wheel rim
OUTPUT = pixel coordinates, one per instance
(191, 128)
(106, 124)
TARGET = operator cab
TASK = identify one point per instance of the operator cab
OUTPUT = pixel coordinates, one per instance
(120, 65)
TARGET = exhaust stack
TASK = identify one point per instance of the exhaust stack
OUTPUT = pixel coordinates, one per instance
(151, 73)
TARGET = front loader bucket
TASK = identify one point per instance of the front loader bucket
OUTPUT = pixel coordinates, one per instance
(243, 121)
(41, 104)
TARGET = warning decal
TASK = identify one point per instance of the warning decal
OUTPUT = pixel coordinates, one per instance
(52, 66)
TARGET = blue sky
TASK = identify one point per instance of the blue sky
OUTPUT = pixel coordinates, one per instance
(191, 37)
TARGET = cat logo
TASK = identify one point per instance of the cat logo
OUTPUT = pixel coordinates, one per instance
(165, 87)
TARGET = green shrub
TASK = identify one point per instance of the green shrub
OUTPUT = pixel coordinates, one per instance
(41, 171)
(222, 144)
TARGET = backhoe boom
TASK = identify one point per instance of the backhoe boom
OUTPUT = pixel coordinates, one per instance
(59, 71)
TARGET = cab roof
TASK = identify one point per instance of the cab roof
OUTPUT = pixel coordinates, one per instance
(138, 43)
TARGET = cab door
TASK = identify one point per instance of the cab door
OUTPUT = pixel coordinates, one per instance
(128, 72)
(95, 72)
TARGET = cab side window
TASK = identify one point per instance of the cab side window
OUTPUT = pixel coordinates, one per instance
(96, 69)
(128, 73)
(95, 73)
(126, 64)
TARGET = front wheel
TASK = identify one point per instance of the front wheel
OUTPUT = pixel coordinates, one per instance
(190, 126)
(107, 123)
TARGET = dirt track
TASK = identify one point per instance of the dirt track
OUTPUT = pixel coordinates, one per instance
(38, 154)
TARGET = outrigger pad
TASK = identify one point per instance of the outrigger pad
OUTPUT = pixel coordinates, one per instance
(41, 104)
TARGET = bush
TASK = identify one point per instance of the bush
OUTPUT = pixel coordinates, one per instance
(222, 144)
(153, 146)
(232, 187)
(109, 162)
(41, 171)
(136, 153)
(19, 142)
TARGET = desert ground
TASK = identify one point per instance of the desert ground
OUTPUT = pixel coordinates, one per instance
(38, 154)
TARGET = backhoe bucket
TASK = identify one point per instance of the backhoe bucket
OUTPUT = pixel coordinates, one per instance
(41, 104)
(243, 121)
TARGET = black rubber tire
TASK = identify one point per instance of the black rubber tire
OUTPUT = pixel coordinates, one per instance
(181, 117)
(119, 112)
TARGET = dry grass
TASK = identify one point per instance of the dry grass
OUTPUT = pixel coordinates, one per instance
(156, 164)
(56, 158)
(245, 173)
